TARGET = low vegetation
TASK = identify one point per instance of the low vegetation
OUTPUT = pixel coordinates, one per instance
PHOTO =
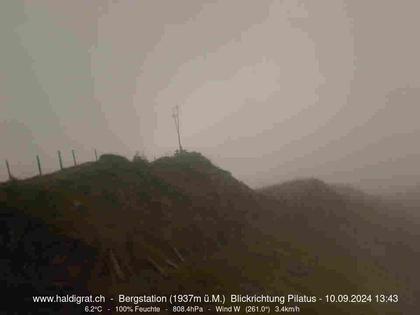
(181, 224)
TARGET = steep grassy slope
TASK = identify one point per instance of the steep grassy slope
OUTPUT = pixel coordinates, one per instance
(374, 244)
(181, 224)
(148, 230)
(36, 259)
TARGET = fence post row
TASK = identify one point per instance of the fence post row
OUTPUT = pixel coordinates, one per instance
(38, 161)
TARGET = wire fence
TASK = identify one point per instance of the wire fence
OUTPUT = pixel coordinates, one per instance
(39, 168)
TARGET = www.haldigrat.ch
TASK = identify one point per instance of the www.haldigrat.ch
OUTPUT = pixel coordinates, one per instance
(69, 298)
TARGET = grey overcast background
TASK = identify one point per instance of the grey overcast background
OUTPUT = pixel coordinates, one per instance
(269, 90)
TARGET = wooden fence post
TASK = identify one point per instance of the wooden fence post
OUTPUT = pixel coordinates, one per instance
(8, 170)
(60, 160)
(74, 157)
(39, 165)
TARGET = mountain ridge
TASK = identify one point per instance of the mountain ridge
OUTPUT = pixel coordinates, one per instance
(182, 224)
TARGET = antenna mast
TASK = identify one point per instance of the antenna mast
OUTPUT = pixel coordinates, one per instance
(175, 116)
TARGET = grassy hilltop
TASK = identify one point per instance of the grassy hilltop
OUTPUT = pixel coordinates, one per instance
(181, 224)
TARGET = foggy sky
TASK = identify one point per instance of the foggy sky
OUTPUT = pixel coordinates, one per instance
(269, 90)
